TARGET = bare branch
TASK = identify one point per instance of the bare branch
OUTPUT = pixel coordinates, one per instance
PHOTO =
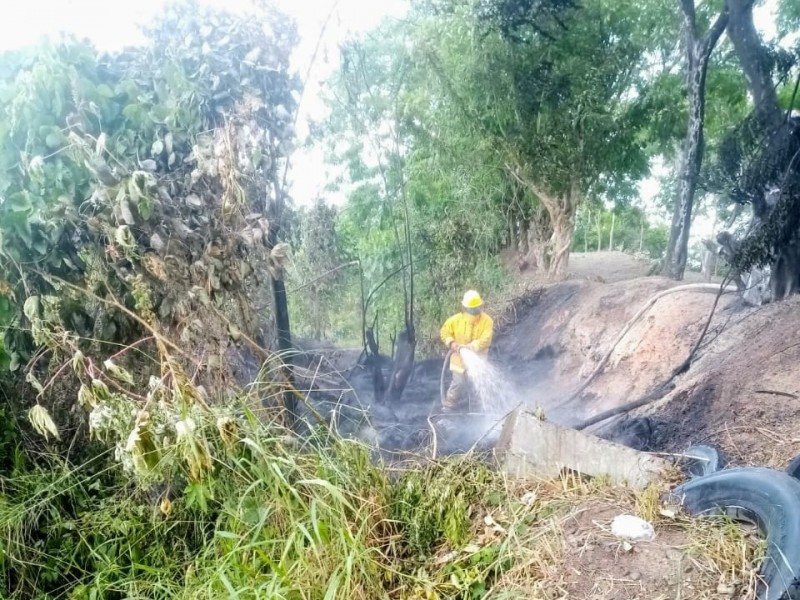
(713, 34)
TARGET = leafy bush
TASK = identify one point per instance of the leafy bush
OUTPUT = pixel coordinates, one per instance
(132, 207)
(433, 505)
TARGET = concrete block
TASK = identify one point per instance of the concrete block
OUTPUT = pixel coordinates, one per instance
(530, 448)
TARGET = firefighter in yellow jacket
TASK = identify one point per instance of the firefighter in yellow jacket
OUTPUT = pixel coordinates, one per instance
(472, 328)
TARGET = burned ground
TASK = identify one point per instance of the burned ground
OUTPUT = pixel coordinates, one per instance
(741, 392)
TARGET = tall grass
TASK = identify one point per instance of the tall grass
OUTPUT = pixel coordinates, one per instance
(271, 520)
(277, 518)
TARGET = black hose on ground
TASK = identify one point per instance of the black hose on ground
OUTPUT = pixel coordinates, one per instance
(656, 394)
(667, 385)
(692, 287)
(701, 460)
(434, 438)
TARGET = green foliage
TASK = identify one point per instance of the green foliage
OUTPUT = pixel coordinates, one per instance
(431, 115)
(131, 185)
(271, 521)
(320, 276)
(631, 230)
(81, 532)
(378, 130)
(786, 92)
(10, 442)
(433, 504)
(788, 17)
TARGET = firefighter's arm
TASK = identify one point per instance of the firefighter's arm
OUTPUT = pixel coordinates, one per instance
(447, 334)
(484, 340)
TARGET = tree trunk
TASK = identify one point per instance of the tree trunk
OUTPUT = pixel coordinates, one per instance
(611, 236)
(316, 309)
(599, 231)
(539, 231)
(522, 237)
(641, 235)
(282, 325)
(587, 222)
(537, 251)
(698, 52)
(373, 362)
(403, 365)
(757, 67)
(560, 213)
(778, 138)
(755, 61)
(563, 230)
(562, 216)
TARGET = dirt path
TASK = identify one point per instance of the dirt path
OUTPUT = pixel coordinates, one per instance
(616, 266)
(606, 266)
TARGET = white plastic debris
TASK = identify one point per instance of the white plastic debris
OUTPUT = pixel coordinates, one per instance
(630, 527)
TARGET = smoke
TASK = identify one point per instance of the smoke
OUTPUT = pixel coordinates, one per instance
(497, 386)
(500, 389)
(492, 396)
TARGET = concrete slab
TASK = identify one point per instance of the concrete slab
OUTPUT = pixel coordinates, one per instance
(531, 448)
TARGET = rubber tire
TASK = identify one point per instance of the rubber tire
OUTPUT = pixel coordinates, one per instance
(709, 460)
(766, 497)
(793, 468)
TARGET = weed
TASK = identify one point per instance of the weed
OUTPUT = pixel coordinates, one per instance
(272, 519)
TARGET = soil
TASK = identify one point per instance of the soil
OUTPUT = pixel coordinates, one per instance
(742, 392)
(598, 566)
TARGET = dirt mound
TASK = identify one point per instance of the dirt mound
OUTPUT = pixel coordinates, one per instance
(741, 393)
(566, 334)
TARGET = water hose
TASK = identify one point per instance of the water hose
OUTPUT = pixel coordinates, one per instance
(441, 378)
(434, 440)
(692, 287)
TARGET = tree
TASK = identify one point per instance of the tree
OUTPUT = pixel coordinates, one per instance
(135, 203)
(788, 17)
(371, 83)
(317, 262)
(698, 52)
(759, 158)
(549, 99)
(756, 61)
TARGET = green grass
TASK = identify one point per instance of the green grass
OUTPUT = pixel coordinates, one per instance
(271, 520)
(274, 519)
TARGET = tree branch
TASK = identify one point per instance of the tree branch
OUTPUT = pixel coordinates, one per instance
(549, 203)
(713, 34)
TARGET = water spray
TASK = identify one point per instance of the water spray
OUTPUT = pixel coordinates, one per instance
(491, 389)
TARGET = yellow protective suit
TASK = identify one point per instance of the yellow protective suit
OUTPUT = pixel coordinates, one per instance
(472, 331)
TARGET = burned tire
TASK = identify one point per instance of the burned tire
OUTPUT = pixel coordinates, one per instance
(768, 498)
(701, 460)
(793, 468)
